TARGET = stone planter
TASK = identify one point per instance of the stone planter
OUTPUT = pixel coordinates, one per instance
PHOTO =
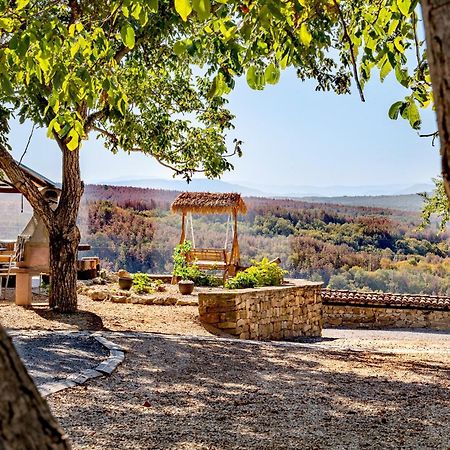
(125, 283)
(186, 287)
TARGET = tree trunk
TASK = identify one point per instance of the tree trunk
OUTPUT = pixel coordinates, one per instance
(61, 223)
(436, 15)
(26, 422)
(65, 236)
(63, 267)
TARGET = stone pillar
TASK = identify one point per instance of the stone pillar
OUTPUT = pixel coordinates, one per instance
(23, 287)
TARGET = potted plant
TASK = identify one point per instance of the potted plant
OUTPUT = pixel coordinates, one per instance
(125, 280)
(183, 269)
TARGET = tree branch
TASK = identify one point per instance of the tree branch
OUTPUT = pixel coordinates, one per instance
(113, 137)
(22, 183)
(75, 11)
(352, 53)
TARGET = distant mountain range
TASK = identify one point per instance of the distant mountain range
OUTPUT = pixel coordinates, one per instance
(406, 202)
(260, 190)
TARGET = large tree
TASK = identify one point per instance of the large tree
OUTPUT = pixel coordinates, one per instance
(76, 67)
(122, 69)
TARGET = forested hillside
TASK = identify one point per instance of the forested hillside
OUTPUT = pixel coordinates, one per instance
(348, 247)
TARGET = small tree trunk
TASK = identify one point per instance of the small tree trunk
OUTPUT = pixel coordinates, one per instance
(436, 16)
(25, 418)
(63, 267)
(65, 236)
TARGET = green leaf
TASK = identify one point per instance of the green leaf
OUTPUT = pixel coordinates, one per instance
(255, 79)
(6, 85)
(413, 115)
(385, 69)
(72, 144)
(202, 8)
(127, 35)
(218, 86)
(20, 4)
(272, 74)
(394, 110)
(393, 26)
(401, 75)
(180, 47)
(404, 6)
(398, 44)
(106, 84)
(305, 35)
(153, 5)
(183, 8)
(6, 24)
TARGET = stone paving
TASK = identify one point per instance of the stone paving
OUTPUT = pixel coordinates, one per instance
(59, 360)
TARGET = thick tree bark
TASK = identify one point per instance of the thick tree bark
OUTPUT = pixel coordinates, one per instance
(65, 236)
(26, 422)
(64, 242)
(436, 15)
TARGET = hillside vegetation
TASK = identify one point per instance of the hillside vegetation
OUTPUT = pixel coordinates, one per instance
(346, 246)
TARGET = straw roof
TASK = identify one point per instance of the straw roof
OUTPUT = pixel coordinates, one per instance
(209, 203)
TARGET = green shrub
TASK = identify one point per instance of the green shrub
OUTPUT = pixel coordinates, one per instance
(143, 284)
(242, 280)
(207, 280)
(181, 267)
(263, 273)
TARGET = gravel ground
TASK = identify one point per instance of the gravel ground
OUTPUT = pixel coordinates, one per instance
(104, 316)
(350, 389)
(193, 393)
(53, 356)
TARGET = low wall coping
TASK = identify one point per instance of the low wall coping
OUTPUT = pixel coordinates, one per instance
(293, 283)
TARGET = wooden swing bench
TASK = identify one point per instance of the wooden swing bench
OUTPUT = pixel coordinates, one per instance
(210, 258)
(211, 203)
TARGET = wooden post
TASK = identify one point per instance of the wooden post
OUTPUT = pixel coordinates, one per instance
(183, 228)
(235, 257)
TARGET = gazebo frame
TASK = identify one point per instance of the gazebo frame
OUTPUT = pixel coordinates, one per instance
(212, 203)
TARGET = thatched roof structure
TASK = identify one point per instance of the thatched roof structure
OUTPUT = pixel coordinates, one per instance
(209, 203)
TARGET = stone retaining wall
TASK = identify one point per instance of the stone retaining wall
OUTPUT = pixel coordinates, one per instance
(265, 313)
(366, 316)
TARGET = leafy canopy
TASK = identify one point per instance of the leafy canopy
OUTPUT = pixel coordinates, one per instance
(112, 67)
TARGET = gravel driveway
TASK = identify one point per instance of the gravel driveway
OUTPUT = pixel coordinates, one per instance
(177, 392)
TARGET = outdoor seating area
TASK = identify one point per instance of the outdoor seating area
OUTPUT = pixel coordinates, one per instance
(224, 259)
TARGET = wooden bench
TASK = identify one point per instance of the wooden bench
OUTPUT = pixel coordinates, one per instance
(210, 259)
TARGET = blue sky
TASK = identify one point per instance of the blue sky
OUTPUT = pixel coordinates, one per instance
(292, 135)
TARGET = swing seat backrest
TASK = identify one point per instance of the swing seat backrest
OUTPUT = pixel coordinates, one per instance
(209, 257)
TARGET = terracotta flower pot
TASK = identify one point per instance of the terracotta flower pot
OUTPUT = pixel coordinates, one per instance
(125, 283)
(186, 287)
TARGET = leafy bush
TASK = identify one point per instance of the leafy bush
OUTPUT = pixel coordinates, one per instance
(207, 280)
(263, 273)
(143, 284)
(181, 266)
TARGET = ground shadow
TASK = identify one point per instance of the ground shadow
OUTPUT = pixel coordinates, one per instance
(180, 393)
(82, 320)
